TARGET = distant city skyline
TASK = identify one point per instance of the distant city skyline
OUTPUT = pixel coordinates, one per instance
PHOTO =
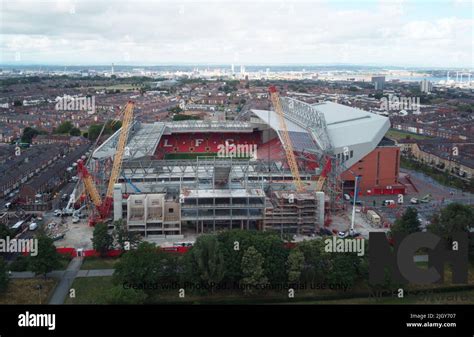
(434, 34)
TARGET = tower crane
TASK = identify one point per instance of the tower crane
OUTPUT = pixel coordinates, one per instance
(103, 206)
(324, 173)
(287, 144)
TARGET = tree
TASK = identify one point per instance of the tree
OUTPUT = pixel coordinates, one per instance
(4, 231)
(102, 241)
(47, 258)
(121, 236)
(3, 275)
(252, 269)
(316, 261)
(206, 261)
(146, 265)
(453, 218)
(75, 132)
(94, 131)
(343, 268)
(295, 265)
(408, 223)
(64, 127)
(269, 244)
(119, 295)
(110, 127)
(28, 134)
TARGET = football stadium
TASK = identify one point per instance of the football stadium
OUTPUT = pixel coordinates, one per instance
(204, 176)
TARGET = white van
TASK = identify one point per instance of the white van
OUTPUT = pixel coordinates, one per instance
(373, 217)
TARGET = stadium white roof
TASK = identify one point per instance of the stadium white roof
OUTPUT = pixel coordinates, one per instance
(348, 128)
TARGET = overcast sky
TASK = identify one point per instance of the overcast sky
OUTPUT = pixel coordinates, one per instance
(100, 32)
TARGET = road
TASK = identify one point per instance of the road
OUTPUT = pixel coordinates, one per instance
(67, 278)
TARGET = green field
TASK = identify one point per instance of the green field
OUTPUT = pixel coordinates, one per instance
(452, 297)
(397, 135)
(188, 155)
(99, 263)
(192, 155)
(25, 291)
(91, 290)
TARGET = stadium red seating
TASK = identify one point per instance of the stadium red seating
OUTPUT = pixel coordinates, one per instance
(203, 142)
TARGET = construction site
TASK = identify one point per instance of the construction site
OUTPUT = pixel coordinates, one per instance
(285, 169)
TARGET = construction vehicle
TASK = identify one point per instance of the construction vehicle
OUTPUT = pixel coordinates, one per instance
(131, 183)
(373, 217)
(287, 144)
(427, 198)
(103, 206)
(69, 209)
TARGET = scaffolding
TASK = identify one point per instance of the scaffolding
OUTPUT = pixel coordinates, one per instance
(294, 213)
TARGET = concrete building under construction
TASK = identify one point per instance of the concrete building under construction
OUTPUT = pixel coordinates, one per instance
(205, 176)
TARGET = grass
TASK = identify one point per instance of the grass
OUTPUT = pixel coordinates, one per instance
(89, 290)
(188, 155)
(99, 263)
(24, 291)
(192, 155)
(441, 177)
(64, 262)
(21, 263)
(397, 135)
(451, 297)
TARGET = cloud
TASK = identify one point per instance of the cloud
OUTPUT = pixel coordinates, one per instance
(271, 32)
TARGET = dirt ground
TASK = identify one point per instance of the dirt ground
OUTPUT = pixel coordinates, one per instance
(78, 235)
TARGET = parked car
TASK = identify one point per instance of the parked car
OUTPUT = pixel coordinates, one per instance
(388, 202)
(353, 233)
(347, 197)
(414, 201)
(342, 235)
(33, 226)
